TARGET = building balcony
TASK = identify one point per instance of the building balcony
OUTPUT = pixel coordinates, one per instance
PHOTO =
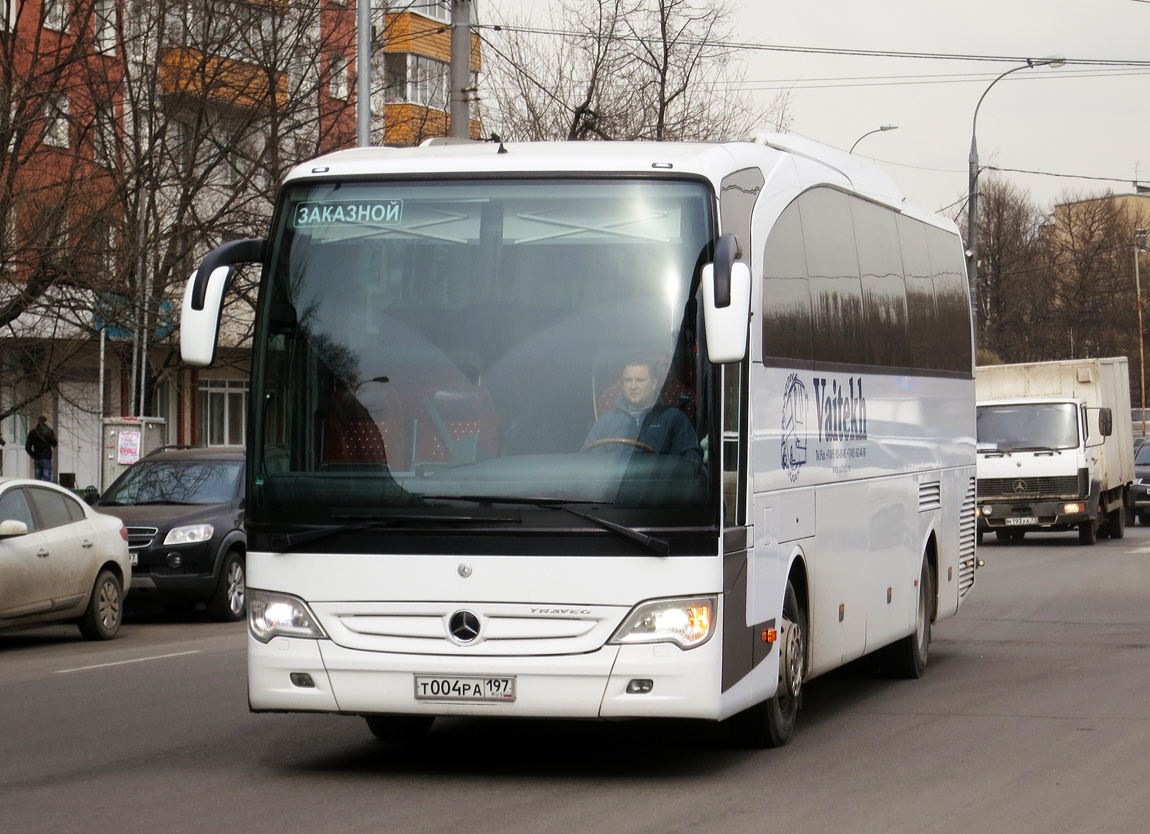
(222, 80)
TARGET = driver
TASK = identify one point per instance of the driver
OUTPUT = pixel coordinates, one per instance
(638, 420)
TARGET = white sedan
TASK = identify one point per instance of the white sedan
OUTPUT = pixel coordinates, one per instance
(60, 560)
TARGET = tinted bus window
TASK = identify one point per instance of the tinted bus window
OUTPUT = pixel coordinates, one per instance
(836, 292)
(952, 301)
(786, 318)
(884, 295)
(922, 319)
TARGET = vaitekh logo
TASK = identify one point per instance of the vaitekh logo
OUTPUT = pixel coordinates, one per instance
(347, 213)
(794, 444)
(841, 410)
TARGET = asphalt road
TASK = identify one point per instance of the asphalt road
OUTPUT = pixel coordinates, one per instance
(1033, 717)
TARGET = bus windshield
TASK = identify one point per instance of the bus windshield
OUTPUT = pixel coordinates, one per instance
(427, 343)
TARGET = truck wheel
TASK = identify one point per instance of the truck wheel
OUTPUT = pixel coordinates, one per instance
(1117, 523)
(1088, 532)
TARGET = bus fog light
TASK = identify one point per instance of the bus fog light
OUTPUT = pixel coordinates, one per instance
(640, 686)
(302, 680)
(686, 622)
(273, 615)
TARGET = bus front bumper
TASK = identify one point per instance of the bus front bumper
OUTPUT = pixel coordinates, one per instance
(302, 675)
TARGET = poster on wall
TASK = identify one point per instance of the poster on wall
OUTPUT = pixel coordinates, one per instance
(129, 446)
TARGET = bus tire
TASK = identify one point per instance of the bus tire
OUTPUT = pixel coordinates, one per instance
(907, 658)
(772, 722)
(399, 727)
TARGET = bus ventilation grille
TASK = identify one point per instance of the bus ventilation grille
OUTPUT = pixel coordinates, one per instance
(967, 531)
(930, 496)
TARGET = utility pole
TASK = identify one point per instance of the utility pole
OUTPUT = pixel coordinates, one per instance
(363, 73)
(460, 69)
(1139, 247)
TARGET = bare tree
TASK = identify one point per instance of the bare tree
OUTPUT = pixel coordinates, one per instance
(622, 69)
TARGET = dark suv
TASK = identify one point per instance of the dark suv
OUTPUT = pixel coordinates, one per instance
(184, 510)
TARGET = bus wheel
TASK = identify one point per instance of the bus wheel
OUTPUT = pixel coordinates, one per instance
(772, 723)
(907, 658)
(399, 727)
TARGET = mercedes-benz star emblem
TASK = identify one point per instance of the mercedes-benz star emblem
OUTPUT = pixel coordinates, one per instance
(464, 626)
(1020, 485)
(464, 569)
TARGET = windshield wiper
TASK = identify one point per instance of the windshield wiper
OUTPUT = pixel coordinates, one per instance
(289, 540)
(658, 545)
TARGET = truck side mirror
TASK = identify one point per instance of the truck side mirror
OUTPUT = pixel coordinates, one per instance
(1105, 422)
(204, 298)
(726, 303)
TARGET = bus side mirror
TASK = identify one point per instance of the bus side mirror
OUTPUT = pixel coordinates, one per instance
(204, 297)
(1105, 422)
(726, 303)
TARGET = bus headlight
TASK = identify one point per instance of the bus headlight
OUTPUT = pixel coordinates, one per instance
(686, 622)
(275, 615)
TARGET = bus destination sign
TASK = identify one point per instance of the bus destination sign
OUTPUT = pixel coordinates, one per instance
(347, 213)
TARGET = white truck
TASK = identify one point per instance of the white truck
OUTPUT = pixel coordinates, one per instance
(1055, 449)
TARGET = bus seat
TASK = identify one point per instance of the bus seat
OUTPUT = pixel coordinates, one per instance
(463, 422)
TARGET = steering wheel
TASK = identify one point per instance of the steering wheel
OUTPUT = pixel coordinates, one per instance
(621, 441)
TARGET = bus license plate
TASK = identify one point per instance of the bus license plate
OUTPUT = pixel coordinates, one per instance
(459, 688)
(1021, 520)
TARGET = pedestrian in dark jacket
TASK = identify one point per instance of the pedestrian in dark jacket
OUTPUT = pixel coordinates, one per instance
(39, 445)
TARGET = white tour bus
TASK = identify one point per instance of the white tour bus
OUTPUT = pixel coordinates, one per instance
(597, 430)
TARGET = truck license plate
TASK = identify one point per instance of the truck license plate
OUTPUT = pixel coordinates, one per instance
(461, 688)
(1021, 519)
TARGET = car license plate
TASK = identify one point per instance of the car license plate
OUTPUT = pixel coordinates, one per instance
(134, 559)
(463, 688)
(1021, 519)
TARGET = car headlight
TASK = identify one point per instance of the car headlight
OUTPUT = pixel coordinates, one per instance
(273, 615)
(189, 535)
(686, 622)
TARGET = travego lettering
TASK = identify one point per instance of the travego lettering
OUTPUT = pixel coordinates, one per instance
(841, 409)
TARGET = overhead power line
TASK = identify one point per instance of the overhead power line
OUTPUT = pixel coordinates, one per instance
(820, 50)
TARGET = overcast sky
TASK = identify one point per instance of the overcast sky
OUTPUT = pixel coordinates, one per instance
(1076, 120)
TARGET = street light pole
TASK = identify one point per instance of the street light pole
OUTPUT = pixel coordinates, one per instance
(869, 132)
(363, 73)
(972, 185)
(1139, 247)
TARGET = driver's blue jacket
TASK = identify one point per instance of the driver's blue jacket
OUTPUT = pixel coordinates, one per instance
(662, 427)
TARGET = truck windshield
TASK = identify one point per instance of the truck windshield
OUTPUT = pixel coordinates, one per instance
(438, 344)
(1027, 426)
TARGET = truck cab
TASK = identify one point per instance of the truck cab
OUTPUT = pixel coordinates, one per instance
(1041, 465)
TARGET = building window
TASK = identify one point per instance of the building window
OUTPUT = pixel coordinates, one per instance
(56, 14)
(438, 9)
(104, 132)
(105, 21)
(339, 85)
(223, 412)
(56, 121)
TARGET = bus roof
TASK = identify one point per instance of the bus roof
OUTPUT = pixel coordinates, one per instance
(714, 160)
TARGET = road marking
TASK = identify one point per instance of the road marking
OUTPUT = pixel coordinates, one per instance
(124, 662)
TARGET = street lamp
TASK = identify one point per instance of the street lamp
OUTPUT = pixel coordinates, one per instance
(972, 200)
(1140, 246)
(869, 132)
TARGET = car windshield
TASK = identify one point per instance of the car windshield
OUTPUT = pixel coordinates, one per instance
(1027, 426)
(422, 341)
(175, 482)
